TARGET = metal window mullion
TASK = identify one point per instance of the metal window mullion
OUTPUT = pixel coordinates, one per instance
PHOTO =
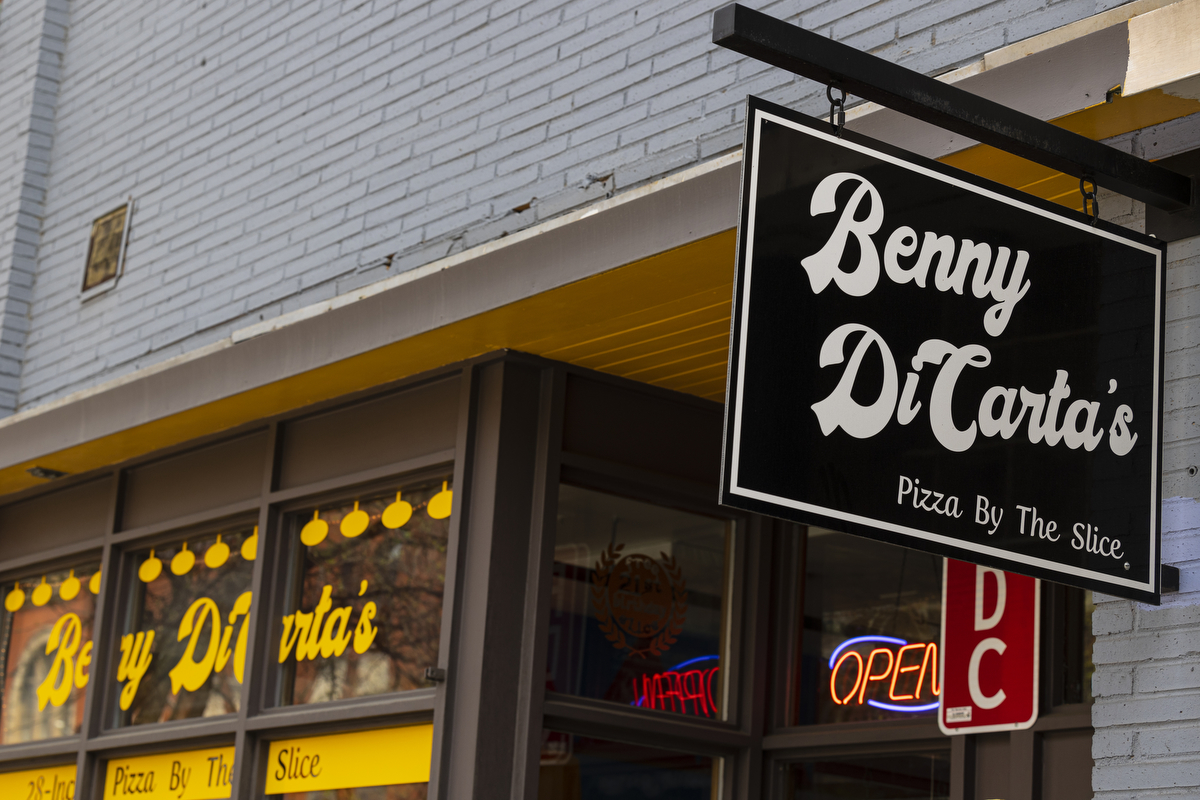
(158, 736)
(605, 719)
(373, 475)
(15, 568)
(197, 519)
(246, 768)
(47, 751)
(443, 707)
(88, 779)
(536, 626)
(755, 681)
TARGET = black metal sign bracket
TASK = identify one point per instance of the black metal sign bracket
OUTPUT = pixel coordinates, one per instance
(811, 55)
(1170, 579)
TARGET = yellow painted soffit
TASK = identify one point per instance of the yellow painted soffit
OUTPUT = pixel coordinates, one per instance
(1122, 115)
(663, 320)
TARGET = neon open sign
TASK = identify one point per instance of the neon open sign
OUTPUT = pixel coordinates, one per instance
(858, 676)
(680, 689)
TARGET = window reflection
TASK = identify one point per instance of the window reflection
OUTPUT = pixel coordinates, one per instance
(923, 776)
(870, 632)
(637, 604)
(184, 652)
(367, 599)
(46, 658)
(580, 768)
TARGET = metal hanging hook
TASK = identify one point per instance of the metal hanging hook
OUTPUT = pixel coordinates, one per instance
(1095, 212)
(838, 106)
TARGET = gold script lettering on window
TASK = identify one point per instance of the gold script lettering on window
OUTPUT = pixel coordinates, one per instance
(47, 640)
(365, 608)
(104, 251)
(184, 654)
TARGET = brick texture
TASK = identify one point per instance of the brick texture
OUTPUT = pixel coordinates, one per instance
(280, 153)
(1147, 678)
(32, 39)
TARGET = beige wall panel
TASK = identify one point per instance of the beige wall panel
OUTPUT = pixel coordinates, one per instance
(370, 434)
(198, 480)
(55, 519)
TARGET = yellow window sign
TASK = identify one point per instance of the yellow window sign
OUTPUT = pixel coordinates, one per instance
(48, 783)
(191, 775)
(351, 760)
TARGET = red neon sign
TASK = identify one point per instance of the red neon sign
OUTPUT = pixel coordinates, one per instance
(689, 692)
(903, 671)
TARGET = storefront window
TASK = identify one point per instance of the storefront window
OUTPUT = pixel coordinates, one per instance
(638, 603)
(924, 776)
(184, 653)
(367, 596)
(871, 623)
(47, 656)
(1067, 615)
(579, 768)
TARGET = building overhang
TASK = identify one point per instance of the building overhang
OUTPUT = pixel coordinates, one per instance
(638, 285)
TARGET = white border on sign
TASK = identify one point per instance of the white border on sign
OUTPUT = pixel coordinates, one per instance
(1037, 665)
(748, 243)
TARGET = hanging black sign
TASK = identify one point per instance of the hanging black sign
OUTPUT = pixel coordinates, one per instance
(924, 357)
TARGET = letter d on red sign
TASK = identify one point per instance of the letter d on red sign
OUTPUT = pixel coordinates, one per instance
(990, 629)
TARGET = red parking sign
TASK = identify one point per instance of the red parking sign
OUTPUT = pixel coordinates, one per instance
(990, 626)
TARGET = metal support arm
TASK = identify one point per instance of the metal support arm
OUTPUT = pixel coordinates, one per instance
(811, 55)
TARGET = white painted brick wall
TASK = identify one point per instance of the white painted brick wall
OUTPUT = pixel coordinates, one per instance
(279, 152)
(1147, 678)
(31, 44)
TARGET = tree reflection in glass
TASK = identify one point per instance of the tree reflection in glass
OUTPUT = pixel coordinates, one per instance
(365, 614)
(184, 594)
(34, 609)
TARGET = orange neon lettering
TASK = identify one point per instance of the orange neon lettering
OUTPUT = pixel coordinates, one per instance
(870, 676)
(841, 701)
(899, 669)
(935, 684)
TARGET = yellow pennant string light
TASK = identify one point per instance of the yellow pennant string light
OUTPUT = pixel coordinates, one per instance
(43, 593)
(440, 504)
(150, 569)
(183, 561)
(69, 588)
(354, 523)
(315, 530)
(250, 546)
(15, 599)
(216, 555)
(397, 514)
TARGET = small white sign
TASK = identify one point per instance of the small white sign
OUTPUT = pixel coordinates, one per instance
(959, 714)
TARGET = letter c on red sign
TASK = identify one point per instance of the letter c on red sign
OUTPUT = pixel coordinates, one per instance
(977, 696)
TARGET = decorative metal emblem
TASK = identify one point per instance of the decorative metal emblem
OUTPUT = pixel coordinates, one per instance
(640, 602)
(107, 248)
